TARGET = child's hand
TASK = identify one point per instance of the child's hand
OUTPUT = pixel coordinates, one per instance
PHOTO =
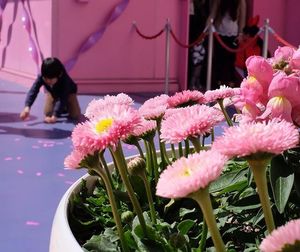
(50, 119)
(25, 113)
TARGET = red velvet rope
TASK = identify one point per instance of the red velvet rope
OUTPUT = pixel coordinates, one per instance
(219, 39)
(197, 41)
(146, 36)
(282, 41)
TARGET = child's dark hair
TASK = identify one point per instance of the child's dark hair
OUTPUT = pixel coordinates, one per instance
(251, 30)
(52, 68)
(251, 27)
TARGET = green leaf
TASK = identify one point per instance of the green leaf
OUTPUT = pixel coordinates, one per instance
(100, 243)
(282, 179)
(237, 177)
(130, 240)
(239, 209)
(184, 226)
(184, 211)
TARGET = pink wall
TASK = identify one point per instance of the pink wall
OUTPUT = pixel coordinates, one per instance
(284, 19)
(292, 21)
(121, 61)
(16, 61)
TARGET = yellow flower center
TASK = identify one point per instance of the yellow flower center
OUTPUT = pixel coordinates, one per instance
(251, 79)
(103, 125)
(279, 101)
(187, 172)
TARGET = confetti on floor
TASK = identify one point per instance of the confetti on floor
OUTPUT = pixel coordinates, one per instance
(32, 223)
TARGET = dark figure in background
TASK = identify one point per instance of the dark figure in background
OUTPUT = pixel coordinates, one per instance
(60, 92)
(229, 20)
(253, 45)
(199, 10)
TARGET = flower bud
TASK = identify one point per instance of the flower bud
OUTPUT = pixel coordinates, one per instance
(131, 140)
(127, 217)
(136, 166)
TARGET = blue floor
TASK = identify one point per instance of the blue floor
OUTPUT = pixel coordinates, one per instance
(32, 175)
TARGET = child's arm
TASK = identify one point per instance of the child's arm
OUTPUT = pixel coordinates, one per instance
(30, 98)
(25, 113)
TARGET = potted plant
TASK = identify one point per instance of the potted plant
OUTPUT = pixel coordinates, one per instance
(228, 196)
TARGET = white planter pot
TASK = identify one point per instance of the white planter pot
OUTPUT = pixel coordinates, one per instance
(62, 238)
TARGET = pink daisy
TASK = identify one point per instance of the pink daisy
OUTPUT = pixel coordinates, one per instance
(185, 98)
(248, 139)
(95, 107)
(283, 53)
(283, 237)
(192, 121)
(115, 123)
(72, 161)
(188, 175)
(154, 108)
(144, 127)
(172, 111)
(219, 94)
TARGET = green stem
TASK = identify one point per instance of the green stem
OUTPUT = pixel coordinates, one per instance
(108, 173)
(173, 151)
(259, 168)
(196, 142)
(187, 147)
(104, 164)
(228, 120)
(149, 166)
(164, 157)
(203, 236)
(180, 150)
(154, 159)
(149, 196)
(212, 135)
(138, 146)
(203, 141)
(122, 167)
(114, 208)
(203, 199)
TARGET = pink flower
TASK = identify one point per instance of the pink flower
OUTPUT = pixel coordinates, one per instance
(72, 161)
(185, 98)
(260, 69)
(188, 175)
(286, 235)
(96, 107)
(221, 93)
(250, 113)
(248, 139)
(144, 127)
(296, 115)
(278, 107)
(252, 90)
(115, 123)
(154, 108)
(287, 86)
(172, 111)
(191, 121)
(295, 60)
(284, 53)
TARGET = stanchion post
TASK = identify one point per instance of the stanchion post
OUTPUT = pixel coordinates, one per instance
(167, 57)
(266, 38)
(209, 55)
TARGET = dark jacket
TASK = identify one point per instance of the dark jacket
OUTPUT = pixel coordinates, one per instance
(59, 91)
